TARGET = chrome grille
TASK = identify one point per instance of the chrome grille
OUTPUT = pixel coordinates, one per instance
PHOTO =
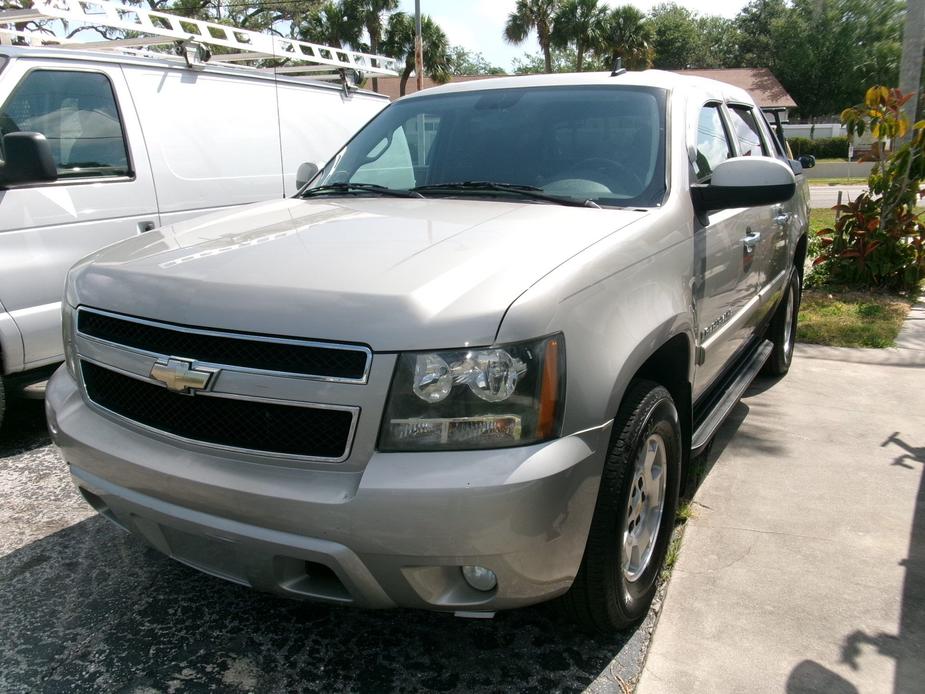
(248, 393)
(318, 360)
(254, 425)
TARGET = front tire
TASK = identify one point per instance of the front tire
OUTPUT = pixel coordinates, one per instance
(783, 328)
(634, 515)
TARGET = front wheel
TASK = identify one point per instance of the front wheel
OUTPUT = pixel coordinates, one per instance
(783, 329)
(634, 515)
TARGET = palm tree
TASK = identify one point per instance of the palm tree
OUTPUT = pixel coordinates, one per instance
(627, 35)
(529, 15)
(331, 25)
(399, 44)
(582, 22)
(369, 13)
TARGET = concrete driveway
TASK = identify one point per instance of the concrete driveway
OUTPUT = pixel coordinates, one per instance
(803, 567)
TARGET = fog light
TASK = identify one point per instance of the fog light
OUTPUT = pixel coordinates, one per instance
(480, 578)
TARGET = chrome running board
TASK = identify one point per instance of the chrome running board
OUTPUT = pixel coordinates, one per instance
(733, 394)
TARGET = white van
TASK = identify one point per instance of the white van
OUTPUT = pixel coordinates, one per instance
(136, 142)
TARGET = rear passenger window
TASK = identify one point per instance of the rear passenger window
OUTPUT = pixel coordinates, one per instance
(713, 145)
(76, 112)
(747, 132)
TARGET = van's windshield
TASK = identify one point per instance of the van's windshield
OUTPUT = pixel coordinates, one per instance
(599, 145)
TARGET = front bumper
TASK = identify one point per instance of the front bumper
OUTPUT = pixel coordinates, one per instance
(393, 533)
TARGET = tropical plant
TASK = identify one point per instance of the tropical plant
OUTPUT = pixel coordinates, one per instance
(562, 60)
(529, 15)
(580, 23)
(332, 25)
(859, 250)
(399, 44)
(878, 239)
(371, 15)
(627, 35)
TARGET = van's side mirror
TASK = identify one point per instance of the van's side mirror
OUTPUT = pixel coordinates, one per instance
(807, 161)
(306, 172)
(27, 159)
(745, 182)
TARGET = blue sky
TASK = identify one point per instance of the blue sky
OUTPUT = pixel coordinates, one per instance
(477, 24)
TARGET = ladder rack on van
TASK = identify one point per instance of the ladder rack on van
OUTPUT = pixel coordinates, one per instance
(192, 37)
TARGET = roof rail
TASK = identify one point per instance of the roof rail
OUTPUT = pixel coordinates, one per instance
(159, 28)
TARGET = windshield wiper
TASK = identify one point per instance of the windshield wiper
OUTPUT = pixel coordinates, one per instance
(517, 189)
(359, 188)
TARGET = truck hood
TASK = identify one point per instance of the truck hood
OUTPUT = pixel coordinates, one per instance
(392, 273)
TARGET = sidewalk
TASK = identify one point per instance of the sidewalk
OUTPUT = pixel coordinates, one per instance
(803, 567)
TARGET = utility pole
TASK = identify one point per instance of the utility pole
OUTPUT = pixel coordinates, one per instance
(910, 69)
(419, 46)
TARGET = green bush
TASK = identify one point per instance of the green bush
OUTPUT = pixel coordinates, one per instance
(823, 148)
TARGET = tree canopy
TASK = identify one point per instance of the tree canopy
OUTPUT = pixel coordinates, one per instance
(399, 43)
(824, 52)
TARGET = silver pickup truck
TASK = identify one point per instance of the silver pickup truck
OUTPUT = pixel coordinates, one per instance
(466, 368)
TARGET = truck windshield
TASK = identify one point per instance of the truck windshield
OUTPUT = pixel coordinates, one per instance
(596, 144)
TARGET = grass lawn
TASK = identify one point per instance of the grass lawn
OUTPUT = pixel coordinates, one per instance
(820, 219)
(851, 319)
(837, 181)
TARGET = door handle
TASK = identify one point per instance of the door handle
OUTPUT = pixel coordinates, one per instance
(145, 226)
(781, 216)
(751, 239)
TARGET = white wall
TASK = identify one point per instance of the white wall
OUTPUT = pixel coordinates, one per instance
(821, 130)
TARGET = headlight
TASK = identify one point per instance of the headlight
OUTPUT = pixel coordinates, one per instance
(493, 397)
(68, 320)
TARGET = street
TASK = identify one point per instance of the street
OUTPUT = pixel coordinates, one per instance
(827, 196)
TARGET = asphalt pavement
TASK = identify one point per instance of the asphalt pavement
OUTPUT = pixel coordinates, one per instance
(87, 608)
(827, 196)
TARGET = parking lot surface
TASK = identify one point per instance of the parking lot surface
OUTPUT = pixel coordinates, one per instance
(89, 608)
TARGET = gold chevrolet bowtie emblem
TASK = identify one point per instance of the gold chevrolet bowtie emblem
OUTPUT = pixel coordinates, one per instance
(179, 376)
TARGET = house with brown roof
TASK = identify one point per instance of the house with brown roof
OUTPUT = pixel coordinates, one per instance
(760, 82)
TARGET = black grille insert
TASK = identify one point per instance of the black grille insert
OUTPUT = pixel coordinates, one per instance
(248, 424)
(228, 349)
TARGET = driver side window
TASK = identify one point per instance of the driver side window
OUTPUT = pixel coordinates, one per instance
(76, 112)
(713, 145)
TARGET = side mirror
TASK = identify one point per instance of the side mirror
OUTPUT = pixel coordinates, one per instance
(807, 161)
(28, 159)
(306, 173)
(745, 182)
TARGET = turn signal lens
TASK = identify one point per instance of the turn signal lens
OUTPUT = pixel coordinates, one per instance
(549, 391)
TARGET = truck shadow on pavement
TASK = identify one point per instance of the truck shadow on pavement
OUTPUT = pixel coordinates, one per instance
(23, 427)
(89, 608)
(92, 609)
